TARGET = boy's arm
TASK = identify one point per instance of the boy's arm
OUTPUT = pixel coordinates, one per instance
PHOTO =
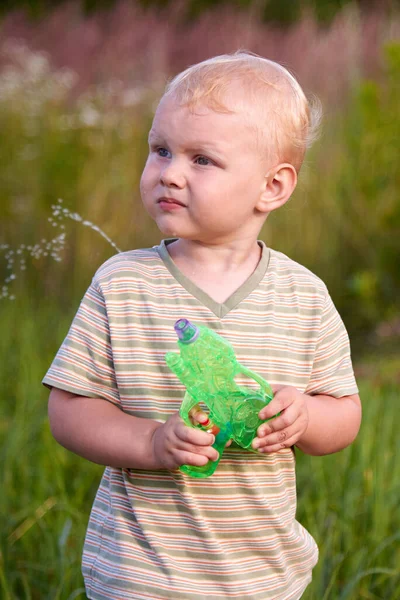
(333, 424)
(317, 424)
(99, 431)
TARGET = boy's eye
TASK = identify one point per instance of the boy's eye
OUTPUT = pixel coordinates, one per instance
(203, 160)
(163, 152)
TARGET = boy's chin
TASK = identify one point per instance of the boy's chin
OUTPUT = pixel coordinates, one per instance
(193, 235)
(168, 232)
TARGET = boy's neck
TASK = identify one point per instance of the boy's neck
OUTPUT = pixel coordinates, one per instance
(219, 270)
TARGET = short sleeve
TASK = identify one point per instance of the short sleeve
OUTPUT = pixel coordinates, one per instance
(84, 363)
(332, 370)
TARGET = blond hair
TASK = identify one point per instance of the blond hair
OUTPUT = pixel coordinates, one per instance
(272, 99)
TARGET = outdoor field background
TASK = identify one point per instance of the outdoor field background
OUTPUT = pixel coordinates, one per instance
(78, 86)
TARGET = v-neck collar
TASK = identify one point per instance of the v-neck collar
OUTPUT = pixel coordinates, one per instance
(219, 309)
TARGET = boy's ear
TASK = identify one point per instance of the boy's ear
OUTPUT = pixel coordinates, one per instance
(277, 188)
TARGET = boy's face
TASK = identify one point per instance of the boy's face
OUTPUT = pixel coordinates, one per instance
(204, 176)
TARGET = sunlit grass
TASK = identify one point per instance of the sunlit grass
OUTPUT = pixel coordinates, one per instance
(46, 492)
(349, 501)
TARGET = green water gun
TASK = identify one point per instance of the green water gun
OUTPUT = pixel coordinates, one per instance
(207, 366)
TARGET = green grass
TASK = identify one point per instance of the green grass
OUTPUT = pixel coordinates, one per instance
(348, 501)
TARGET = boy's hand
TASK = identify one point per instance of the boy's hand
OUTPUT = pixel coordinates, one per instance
(175, 444)
(286, 429)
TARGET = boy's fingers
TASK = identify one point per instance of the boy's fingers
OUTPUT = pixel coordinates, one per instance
(197, 415)
(281, 422)
(195, 459)
(280, 438)
(207, 451)
(280, 402)
(276, 388)
(288, 443)
(196, 437)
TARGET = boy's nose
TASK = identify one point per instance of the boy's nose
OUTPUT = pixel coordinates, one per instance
(172, 176)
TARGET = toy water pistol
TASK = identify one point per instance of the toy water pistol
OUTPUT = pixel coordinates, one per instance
(207, 366)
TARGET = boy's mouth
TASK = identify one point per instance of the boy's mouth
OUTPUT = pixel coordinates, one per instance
(165, 202)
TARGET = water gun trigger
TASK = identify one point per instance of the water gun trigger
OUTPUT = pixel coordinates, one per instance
(188, 403)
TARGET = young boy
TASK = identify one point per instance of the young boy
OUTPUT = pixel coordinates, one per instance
(226, 144)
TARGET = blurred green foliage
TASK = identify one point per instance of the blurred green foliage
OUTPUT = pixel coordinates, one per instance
(282, 12)
(369, 192)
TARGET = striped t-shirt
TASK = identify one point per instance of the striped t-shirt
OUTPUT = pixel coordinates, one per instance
(162, 534)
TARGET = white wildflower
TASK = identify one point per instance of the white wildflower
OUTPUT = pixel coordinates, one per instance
(132, 96)
(89, 116)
